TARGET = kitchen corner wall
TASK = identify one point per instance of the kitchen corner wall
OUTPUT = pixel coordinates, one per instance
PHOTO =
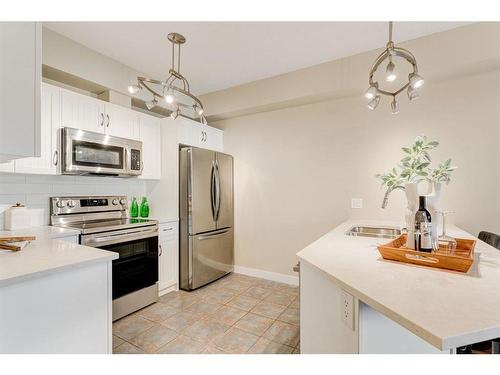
(297, 168)
(34, 191)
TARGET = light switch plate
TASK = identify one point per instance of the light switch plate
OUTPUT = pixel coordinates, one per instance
(347, 309)
(356, 202)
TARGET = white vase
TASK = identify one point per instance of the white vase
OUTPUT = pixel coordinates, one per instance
(431, 201)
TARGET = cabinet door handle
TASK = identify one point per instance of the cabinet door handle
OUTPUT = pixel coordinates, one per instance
(107, 125)
(102, 119)
(55, 158)
(167, 229)
(161, 250)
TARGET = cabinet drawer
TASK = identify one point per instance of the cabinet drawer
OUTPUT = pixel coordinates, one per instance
(167, 231)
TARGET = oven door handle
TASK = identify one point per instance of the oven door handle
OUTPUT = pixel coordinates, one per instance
(110, 239)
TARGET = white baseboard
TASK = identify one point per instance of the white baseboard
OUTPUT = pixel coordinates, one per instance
(168, 289)
(287, 279)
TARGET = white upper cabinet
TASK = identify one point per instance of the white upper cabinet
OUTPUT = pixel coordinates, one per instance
(20, 77)
(150, 135)
(49, 157)
(82, 112)
(192, 133)
(121, 121)
(87, 113)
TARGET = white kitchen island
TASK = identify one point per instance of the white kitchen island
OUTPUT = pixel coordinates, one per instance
(396, 308)
(55, 297)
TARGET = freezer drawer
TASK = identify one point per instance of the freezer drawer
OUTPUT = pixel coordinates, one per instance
(211, 256)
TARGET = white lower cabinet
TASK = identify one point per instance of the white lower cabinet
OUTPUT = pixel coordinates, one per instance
(168, 257)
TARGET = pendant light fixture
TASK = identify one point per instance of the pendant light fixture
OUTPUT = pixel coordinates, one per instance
(174, 92)
(391, 74)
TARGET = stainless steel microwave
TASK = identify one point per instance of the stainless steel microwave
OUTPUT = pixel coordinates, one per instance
(87, 152)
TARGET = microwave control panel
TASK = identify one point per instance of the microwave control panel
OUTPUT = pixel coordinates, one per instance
(135, 162)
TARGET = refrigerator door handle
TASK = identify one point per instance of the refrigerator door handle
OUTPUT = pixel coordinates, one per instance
(218, 193)
(214, 235)
(213, 192)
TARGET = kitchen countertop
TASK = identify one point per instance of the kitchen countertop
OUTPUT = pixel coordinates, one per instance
(42, 257)
(42, 233)
(445, 308)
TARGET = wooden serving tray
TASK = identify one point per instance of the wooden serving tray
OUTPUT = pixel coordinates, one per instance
(461, 259)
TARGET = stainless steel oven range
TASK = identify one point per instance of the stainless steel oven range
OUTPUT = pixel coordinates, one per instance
(103, 223)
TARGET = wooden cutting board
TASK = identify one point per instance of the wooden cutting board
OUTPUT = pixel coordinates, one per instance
(8, 243)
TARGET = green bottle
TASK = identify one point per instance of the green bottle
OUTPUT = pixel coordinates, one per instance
(144, 207)
(134, 208)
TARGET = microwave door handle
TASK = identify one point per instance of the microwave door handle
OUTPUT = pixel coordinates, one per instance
(128, 162)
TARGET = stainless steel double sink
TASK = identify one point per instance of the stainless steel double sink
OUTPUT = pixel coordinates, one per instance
(373, 231)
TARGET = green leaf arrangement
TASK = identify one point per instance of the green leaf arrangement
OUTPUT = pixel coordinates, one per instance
(415, 166)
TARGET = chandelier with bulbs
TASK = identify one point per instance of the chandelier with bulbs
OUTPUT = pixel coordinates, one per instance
(174, 92)
(414, 80)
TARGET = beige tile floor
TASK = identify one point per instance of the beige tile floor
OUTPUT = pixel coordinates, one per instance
(237, 314)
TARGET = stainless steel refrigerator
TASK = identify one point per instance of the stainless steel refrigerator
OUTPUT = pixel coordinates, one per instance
(206, 216)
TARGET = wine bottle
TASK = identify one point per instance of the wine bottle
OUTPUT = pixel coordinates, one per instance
(134, 208)
(423, 240)
(144, 210)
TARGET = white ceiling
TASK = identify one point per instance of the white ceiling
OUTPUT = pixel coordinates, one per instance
(218, 55)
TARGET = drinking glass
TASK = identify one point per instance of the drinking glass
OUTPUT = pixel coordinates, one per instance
(446, 242)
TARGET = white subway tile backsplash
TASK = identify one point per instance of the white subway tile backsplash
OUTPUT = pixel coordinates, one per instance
(38, 199)
(12, 178)
(11, 199)
(97, 180)
(49, 179)
(34, 191)
(73, 189)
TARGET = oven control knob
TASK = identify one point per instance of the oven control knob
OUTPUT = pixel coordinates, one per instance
(115, 202)
(60, 204)
(71, 203)
(123, 201)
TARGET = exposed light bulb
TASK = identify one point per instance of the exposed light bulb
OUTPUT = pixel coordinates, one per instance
(198, 110)
(416, 81)
(175, 114)
(412, 93)
(371, 92)
(374, 102)
(151, 103)
(394, 106)
(390, 72)
(133, 89)
(169, 97)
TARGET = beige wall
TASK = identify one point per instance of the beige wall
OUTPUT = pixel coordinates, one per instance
(68, 56)
(297, 168)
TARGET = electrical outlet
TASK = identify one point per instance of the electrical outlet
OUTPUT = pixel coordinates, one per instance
(356, 203)
(347, 309)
